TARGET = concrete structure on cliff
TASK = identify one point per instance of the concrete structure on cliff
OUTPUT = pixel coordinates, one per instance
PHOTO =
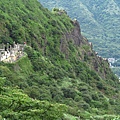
(9, 53)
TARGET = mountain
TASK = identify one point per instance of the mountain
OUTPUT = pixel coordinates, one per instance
(59, 76)
(99, 21)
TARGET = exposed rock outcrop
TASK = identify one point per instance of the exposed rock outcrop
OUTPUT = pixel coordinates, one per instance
(85, 48)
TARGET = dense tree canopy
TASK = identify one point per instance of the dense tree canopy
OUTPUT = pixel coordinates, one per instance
(59, 77)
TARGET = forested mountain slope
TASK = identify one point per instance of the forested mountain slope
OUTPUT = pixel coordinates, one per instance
(99, 21)
(60, 76)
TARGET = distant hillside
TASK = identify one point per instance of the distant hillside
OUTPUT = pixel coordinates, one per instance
(99, 22)
(60, 76)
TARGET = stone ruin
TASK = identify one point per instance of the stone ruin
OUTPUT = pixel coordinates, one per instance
(9, 53)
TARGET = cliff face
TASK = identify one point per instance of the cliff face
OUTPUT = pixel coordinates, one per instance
(76, 34)
(84, 50)
(74, 37)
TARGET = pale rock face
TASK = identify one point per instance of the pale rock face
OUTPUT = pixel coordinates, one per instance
(12, 54)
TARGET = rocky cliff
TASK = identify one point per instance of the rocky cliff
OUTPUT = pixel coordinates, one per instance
(84, 51)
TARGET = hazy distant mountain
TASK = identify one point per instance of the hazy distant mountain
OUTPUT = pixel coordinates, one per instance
(99, 20)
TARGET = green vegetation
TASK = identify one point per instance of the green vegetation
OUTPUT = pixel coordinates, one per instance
(15, 105)
(60, 77)
(99, 21)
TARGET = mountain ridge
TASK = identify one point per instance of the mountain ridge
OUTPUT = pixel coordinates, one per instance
(99, 22)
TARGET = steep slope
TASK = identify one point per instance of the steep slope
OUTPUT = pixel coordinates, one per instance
(15, 105)
(60, 66)
(99, 22)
